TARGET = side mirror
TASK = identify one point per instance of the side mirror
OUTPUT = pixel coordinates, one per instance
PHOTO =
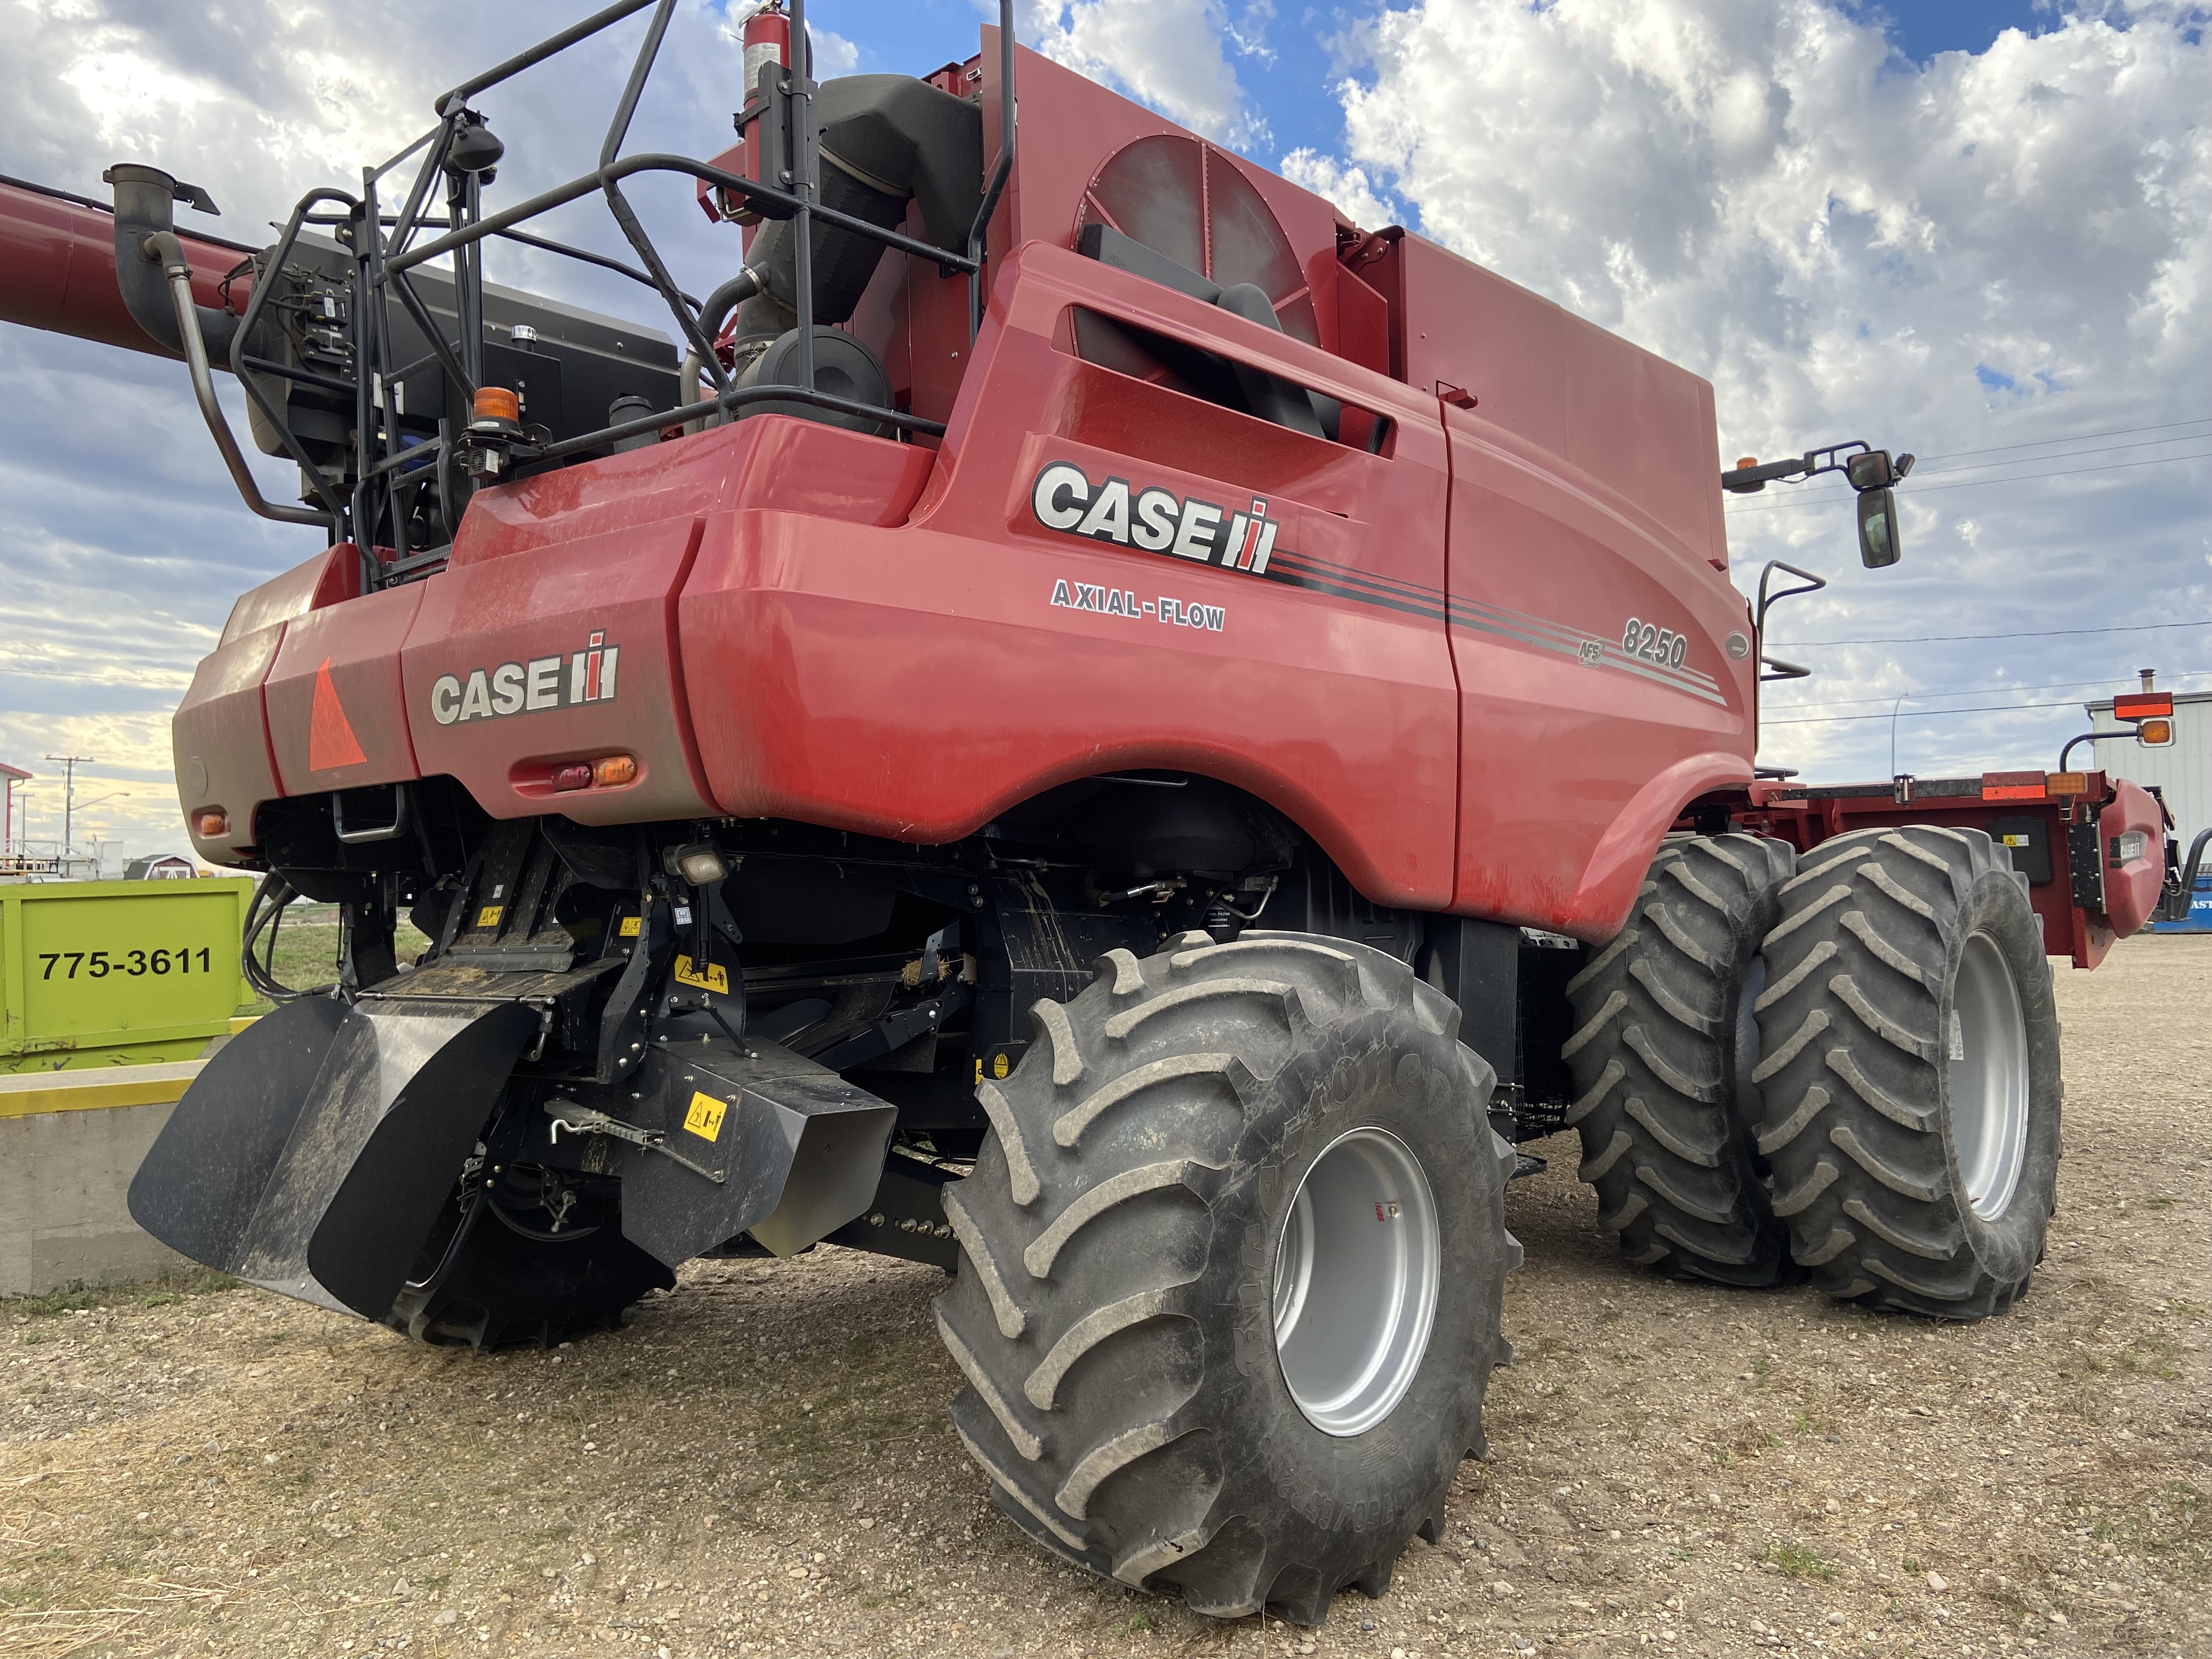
(1879, 545)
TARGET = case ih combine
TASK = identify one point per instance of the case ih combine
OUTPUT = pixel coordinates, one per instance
(1080, 719)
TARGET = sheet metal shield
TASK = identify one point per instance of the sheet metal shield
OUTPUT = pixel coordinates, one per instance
(322, 1184)
(799, 1148)
(200, 1182)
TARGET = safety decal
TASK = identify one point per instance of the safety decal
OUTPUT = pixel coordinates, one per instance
(489, 916)
(704, 1119)
(1154, 520)
(523, 688)
(712, 976)
(1123, 602)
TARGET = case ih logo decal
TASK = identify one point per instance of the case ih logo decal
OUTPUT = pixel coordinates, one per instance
(522, 687)
(1156, 521)
(1153, 521)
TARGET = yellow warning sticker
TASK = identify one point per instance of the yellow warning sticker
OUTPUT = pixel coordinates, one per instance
(2013, 841)
(630, 927)
(1000, 1063)
(704, 1119)
(712, 977)
(489, 916)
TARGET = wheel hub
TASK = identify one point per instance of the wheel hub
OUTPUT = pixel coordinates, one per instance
(1988, 1052)
(1356, 1277)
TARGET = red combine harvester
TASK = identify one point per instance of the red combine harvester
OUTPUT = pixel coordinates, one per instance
(1082, 719)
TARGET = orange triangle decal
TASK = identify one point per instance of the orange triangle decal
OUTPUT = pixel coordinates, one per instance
(331, 741)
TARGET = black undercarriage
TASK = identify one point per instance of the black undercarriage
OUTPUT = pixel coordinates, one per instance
(663, 962)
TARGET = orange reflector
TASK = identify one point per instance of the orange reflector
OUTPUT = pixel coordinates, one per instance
(212, 824)
(497, 403)
(2156, 733)
(2068, 783)
(2013, 786)
(2142, 705)
(609, 770)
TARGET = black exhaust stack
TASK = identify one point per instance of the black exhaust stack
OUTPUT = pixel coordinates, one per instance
(885, 140)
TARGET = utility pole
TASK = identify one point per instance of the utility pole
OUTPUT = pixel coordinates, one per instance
(69, 763)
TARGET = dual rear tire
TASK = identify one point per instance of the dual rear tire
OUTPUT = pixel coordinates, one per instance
(1846, 1071)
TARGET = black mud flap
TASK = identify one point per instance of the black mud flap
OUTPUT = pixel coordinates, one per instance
(766, 1142)
(311, 1154)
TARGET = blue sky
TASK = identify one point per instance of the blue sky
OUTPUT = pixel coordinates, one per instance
(1982, 232)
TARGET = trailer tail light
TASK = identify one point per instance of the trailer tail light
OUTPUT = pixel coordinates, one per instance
(212, 824)
(2144, 705)
(2067, 783)
(2014, 786)
(565, 778)
(611, 771)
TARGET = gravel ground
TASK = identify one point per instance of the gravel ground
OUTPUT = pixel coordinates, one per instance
(761, 1461)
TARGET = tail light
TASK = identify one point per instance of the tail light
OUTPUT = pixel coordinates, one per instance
(212, 824)
(607, 772)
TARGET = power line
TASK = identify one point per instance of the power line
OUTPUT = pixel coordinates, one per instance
(1978, 691)
(2037, 634)
(1975, 484)
(1922, 713)
(2063, 455)
(2074, 438)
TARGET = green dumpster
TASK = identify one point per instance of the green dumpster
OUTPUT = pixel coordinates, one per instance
(114, 973)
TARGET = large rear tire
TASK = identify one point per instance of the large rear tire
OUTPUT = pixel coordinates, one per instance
(1910, 1072)
(1662, 1055)
(1231, 1265)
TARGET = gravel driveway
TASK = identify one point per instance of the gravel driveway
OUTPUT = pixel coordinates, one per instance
(761, 1462)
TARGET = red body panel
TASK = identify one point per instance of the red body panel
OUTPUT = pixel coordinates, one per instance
(336, 714)
(220, 738)
(1420, 661)
(2132, 885)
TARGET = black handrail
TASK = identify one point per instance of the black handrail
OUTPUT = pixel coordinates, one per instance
(382, 265)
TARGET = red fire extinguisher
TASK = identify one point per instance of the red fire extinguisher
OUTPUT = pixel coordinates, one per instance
(767, 40)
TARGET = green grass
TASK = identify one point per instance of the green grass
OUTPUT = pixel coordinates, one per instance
(1800, 1562)
(146, 1293)
(307, 947)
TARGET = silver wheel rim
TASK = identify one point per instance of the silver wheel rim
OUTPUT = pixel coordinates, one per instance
(1987, 1046)
(1356, 1279)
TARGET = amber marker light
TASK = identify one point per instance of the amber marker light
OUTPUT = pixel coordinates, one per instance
(2155, 734)
(2068, 783)
(611, 771)
(497, 403)
(212, 824)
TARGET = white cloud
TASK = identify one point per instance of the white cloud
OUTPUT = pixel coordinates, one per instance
(1994, 247)
(1347, 188)
(1169, 53)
